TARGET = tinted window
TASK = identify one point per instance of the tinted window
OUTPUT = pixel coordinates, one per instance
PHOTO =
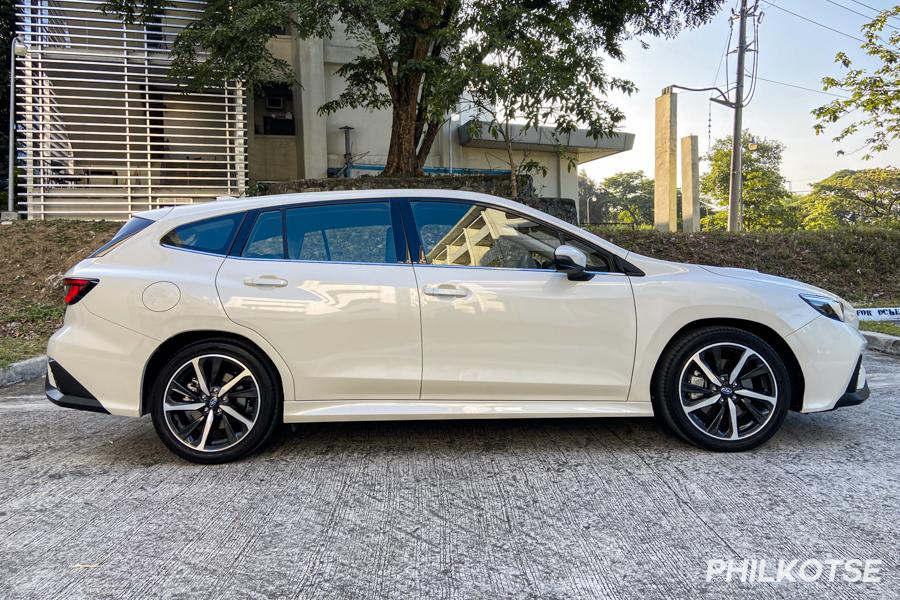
(265, 239)
(357, 232)
(478, 236)
(211, 235)
(127, 230)
(596, 261)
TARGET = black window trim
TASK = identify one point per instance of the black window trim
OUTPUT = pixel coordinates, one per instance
(618, 266)
(397, 225)
(406, 237)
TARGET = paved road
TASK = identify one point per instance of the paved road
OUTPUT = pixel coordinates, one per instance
(93, 506)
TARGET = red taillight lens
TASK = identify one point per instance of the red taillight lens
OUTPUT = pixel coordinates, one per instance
(77, 288)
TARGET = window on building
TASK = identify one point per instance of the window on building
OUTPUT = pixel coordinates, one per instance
(273, 110)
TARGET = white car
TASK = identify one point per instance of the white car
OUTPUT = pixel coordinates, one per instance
(222, 319)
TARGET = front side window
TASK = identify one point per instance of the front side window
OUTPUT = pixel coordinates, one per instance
(210, 235)
(455, 233)
(597, 262)
(469, 235)
(347, 232)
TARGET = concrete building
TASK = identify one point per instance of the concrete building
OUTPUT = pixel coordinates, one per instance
(102, 132)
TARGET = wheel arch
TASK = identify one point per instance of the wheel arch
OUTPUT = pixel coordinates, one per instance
(165, 350)
(769, 335)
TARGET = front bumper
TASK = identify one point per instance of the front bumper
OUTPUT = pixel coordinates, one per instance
(64, 390)
(830, 357)
(857, 390)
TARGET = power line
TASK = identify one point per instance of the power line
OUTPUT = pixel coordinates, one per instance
(822, 25)
(856, 12)
(878, 10)
(800, 87)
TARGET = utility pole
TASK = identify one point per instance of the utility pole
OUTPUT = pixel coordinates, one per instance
(736, 179)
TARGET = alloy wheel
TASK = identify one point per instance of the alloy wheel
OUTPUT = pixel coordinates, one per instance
(728, 391)
(211, 402)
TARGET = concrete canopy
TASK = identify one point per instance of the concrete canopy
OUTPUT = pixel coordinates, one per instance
(544, 139)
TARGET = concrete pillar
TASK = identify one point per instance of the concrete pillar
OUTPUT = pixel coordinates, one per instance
(690, 184)
(568, 179)
(312, 149)
(665, 193)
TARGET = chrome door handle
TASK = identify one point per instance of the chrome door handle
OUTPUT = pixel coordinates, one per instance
(266, 281)
(445, 291)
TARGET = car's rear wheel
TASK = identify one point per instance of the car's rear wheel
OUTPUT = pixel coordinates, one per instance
(722, 388)
(213, 402)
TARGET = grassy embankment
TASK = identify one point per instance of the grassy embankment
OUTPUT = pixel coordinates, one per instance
(860, 265)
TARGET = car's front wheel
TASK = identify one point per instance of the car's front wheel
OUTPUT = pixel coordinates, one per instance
(723, 389)
(214, 402)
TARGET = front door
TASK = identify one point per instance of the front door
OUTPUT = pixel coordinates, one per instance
(500, 323)
(328, 285)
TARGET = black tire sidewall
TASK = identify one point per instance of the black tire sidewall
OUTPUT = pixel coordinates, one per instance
(669, 388)
(268, 402)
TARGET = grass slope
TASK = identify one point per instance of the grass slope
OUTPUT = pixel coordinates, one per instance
(860, 265)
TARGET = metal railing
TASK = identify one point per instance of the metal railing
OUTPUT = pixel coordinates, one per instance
(102, 132)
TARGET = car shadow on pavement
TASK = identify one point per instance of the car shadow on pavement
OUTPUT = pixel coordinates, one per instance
(137, 444)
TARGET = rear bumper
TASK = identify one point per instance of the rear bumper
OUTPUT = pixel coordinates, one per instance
(64, 390)
(104, 363)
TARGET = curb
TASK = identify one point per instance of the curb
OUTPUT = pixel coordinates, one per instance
(882, 342)
(23, 370)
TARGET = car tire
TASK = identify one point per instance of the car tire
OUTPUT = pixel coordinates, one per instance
(200, 423)
(742, 409)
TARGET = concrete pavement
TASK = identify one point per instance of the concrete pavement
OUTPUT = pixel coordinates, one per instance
(93, 506)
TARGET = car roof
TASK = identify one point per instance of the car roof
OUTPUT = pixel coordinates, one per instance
(191, 212)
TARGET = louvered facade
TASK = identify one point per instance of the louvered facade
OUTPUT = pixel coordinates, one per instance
(102, 132)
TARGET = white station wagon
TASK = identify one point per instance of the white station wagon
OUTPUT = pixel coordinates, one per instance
(222, 319)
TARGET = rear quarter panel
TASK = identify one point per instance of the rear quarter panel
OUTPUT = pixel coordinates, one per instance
(126, 274)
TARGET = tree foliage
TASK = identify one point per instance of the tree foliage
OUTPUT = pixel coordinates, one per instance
(766, 200)
(866, 197)
(418, 56)
(625, 197)
(875, 94)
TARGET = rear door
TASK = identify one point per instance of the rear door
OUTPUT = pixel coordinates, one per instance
(330, 287)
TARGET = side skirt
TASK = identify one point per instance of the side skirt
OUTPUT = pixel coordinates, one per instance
(376, 410)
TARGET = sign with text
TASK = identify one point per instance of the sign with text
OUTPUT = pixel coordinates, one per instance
(878, 314)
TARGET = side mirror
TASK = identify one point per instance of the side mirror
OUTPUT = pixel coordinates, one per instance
(572, 262)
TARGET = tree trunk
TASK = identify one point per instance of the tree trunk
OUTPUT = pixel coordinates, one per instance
(513, 167)
(402, 160)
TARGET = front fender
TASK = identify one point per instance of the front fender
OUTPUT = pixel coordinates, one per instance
(667, 303)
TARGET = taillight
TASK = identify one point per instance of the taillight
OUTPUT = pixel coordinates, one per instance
(77, 288)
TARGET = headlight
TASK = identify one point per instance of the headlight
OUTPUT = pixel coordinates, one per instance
(831, 308)
(851, 318)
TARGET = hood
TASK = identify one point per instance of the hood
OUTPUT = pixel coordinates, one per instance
(751, 275)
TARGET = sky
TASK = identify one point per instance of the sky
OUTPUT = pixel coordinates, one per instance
(791, 50)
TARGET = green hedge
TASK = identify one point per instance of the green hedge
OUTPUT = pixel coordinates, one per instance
(862, 265)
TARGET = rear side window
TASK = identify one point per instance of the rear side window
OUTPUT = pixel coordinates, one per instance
(265, 239)
(127, 230)
(357, 232)
(210, 235)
